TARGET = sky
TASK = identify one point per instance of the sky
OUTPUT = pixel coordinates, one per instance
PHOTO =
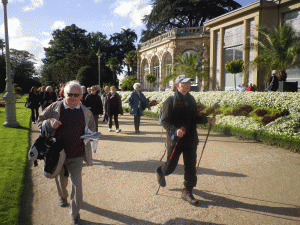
(31, 22)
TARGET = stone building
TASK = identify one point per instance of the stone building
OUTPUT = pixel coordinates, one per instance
(158, 55)
(222, 39)
(229, 34)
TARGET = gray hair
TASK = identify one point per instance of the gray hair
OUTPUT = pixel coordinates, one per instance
(72, 84)
(48, 88)
(136, 85)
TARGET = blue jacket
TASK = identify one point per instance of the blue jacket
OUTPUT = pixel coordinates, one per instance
(134, 103)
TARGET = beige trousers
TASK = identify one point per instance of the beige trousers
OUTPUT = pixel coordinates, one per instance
(74, 167)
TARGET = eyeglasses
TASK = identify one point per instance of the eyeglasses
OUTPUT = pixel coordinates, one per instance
(75, 95)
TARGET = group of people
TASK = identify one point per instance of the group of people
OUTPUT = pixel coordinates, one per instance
(68, 118)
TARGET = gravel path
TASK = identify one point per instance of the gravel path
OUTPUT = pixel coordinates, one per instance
(239, 182)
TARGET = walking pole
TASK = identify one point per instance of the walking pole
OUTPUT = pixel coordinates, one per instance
(203, 146)
(171, 157)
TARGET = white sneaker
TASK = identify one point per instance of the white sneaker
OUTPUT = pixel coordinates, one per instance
(109, 129)
(118, 130)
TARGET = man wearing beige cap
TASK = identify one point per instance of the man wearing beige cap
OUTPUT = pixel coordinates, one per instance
(180, 119)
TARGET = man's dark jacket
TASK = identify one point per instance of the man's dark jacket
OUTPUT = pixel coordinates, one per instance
(183, 114)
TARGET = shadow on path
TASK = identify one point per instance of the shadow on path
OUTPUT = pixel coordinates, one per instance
(220, 201)
(150, 166)
(131, 220)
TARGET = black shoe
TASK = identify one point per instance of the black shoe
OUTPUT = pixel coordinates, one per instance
(188, 196)
(137, 131)
(76, 221)
(160, 177)
(63, 202)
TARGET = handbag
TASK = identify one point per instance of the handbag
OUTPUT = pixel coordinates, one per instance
(28, 103)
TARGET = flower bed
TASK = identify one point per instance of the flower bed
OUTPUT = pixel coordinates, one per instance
(283, 131)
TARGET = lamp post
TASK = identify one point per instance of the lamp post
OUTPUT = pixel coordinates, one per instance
(9, 97)
(99, 54)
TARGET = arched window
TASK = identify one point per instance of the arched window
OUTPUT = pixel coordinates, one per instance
(168, 67)
(156, 71)
(145, 70)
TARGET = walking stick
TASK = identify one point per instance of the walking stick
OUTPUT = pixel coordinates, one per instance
(203, 146)
(171, 157)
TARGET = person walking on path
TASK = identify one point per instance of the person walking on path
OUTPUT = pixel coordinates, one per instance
(93, 102)
(34, 106)
(113, 107)
(138, 103)
(103, 98)
(68, 119)
(180, 122)
(49, 97)
(41, 96)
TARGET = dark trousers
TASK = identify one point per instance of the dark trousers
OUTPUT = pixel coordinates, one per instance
(189, 159)
(34, 114)
(137, 119)
(115, 115)
(96, 117)
(105, 117)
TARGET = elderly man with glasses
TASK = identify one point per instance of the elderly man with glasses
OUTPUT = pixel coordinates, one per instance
(67, 120)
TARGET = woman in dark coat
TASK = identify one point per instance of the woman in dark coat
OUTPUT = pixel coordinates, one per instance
(49, 97)
(113, 107)
(41, 96)
(34, 104)
(93, 102)
(137, 103)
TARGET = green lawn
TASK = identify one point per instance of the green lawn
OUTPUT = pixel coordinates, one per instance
(20, 98)
(13, 157)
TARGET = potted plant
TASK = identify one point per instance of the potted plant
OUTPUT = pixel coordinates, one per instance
(234, 67)
(151, 78)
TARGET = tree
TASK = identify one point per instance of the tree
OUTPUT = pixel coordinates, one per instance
(113, 64)
(65, 41)
(128, 82)
(191, 65)
(2, 45)
(235, 67)
(168, 14)
(2, 73)
(87, 76)
(123, 43)
(278, 49)
(131, 61)
(23, 70)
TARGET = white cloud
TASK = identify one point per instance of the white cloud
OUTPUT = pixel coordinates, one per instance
(58, 25)
(137, 16)
(15, 29)
(135, 10)
(34, 4)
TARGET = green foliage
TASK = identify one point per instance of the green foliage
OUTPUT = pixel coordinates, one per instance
(278, 48)
(151, 78)
(235, 66)
(131, 61)
(87, 76)
(128, 82)
(166, 15)
(18, 90)
(13, 161)
(191, 65)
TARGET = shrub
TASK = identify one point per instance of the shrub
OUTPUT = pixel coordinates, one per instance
(260, 112)
(269, 119)
(18, 90)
